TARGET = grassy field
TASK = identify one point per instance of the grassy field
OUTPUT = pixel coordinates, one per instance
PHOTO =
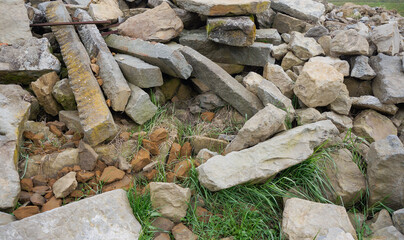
(388, 4)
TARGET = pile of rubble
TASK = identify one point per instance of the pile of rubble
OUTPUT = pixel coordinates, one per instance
(301, 73)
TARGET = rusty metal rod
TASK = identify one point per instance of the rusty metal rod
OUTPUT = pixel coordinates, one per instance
(68, 23)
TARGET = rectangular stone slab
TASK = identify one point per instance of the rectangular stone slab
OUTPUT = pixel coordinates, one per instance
(95, 117)
(257, 54)
(266, 159)
(306, 10)
(222, 83)
(14, 21)
(169, 60)
(114, 86)
(104, 216)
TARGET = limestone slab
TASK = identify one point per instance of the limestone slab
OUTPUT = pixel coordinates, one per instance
(14, 21)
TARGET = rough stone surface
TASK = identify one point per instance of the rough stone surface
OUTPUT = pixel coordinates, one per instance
(275, 74)
(260, 127)
(88, 157)
(257, 54)
(357, 87)
(181, 232)
(278, 52)
(388, 233)
(373, 126)
(72, 120)
(266, 18)
(63, 94)
(342, 66)
(14, 21)
(349, 42)
(269, 35)
(336, 234)
(380, 220)
(304, 47)
(361, 68)
(169, 60)
(319, 84)
(286, 24)
(199, 142)
(308, 10)
(159, 24)
(290, 60)
(265, 159)
(105, 10)
(114, 84)
(385, 168)
(14, 112)
(387, 85)
(387, 38)
(140, 109)
(317, 32)
(224, 7)
(95, 117)
(43, 90)
(398, 220)
(65, 185)
(308, 115)
(233, 31)
(374, 103)
(94, 218)
(138, 72)
(6, 218)
(26, 61)
(343, 123)
(223, 84)
(305, 220)
(343, 103)
(170, 199)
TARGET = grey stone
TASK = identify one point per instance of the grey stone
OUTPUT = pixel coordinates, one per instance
(398, 220)
(63, 94)
(72, 120)
(270, 35)
(138, 72)
(14, 112)
(275, 74)
(336, 234)
(205, 154)
(374, 103)
(387, 38)
(390, 233)
(258, 54)
(266, 18)
(233, 31)
(349, 42)
(384, 173)
(26, 61)
(6, 218)
(380, 220)
(105, 10)
(223, 84)
(343, 123)
(65, 185)
(286, 24)
(342, 66)
(317, 32)
(361, 68)
(40, 127)
(209, 101)
(88, 157)
(260, 127)
(266, 159)
(342, 104)
(170, 61)
(107, 221)
(14, 21)
(307, 10)
(357, 87)
(140, 109)
(308, 115)
(387, 85)
(114, 84)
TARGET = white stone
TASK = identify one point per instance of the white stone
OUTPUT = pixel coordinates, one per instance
(14, 21)
(105, 10)
(304, 47)
(342, 66)
(387, 38)
(306, 10)
(65, 185)
(275, 74)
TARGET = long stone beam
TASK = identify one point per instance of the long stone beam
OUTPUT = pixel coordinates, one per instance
(95, 117)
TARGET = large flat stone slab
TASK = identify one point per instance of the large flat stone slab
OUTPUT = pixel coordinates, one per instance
(14, 21)
(104, 216)
(264, 160)
(95, 117)
(257, 54)
(222, 83)
(25, 61)
(14, 112)
(308, 10)
(114, 83)
(224, 7)
(169, 60)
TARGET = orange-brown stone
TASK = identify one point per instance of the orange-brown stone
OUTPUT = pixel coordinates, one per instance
(26, 211)
(141, 159)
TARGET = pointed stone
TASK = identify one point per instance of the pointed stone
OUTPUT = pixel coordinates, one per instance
(140, 109)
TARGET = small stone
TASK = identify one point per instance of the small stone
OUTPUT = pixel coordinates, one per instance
(63, 94)
(83, 176)
(270, 35)
(65, 185)
(88, 157)
(162, 236)
(125, 136)
(205, 154)
(308, 115)
(186, 150)
(55, 131)
(361, 68)
(266, 18)
(181, 169)
(307, 10)
(111, 174)
(343, 103)
(140, 160)
(43, 90)
(374, 103)
(317, 32)
(181, 232)
(373, 126)
(105, 10)
(278, 52)
(24, 196)
(304, 47)
(37, 199)
(387, 38)
(42, 190)
(28, 211)
(163, 224)
(207, 116)
(95, 68)
(140, 108)
(125, 183)
(388, 233)
(381, 220)
(290, 60)
(175, 153)
(151, 147)
(349, 42)
(342, 122)
(276, 75)
(27, 184)
(201, 142)
(159, 135)
(6, 218)
(398, 220)
(76, 194)
(286, 24)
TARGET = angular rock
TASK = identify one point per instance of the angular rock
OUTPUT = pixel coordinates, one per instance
(278, 52)
(105, 10)
(270, 35)
(342, 66)
(224, 7)
(349, 42)
(398, 220)
(25, 61)
(381, 220)
(209, 101)
(358, 88)
(325, 42)
(308, 10)
(169, 60)
(233, 31)
(63, 94)
(290, 60)
(138, 72)
(140, 109)
(25, 211)
(65, 185)
(260, 127)
(231, 68)
(336, 234)
(275, 74)
(303, 219)
(14, 21)
(170, 199)
(6, 218)
(265, 159)
(199, 142)
(387, 38)
(308, 115)
(343, 123)
(223, 84)
(318, 85)
(387, 85)
(14, 112)
(159, 24)
(72, 120)
(181, 232)
(88, 157)
(384, 173)
(317, 32)
(388, 233)
(114, 84)
(374, 103)
(257, 54)
(304, 47)
(361, 68)
(43, 88)
(266, 18)
(107, 221)
(342, 104)
(373, 126)
(95, 117)
(111, 174)
(286, 24)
